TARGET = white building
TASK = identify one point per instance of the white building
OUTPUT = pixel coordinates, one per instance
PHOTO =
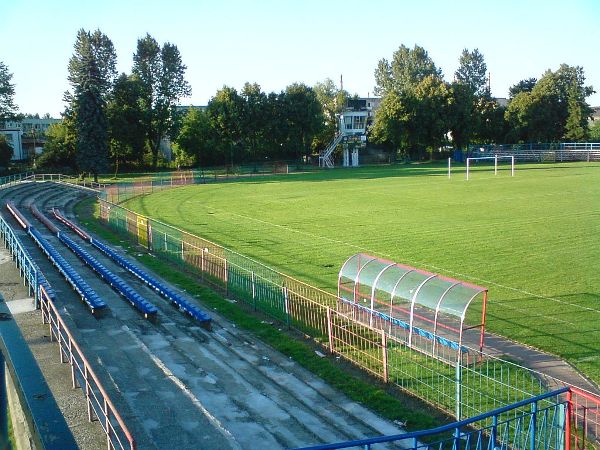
(26, 136)
(354, 121)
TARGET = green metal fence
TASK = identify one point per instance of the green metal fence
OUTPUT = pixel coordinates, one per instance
(469, 385)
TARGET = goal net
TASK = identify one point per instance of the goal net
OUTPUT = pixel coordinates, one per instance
(496, 163)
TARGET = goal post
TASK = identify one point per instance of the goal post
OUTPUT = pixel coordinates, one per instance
(495, 158)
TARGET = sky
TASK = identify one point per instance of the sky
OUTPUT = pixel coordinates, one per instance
(277, 43)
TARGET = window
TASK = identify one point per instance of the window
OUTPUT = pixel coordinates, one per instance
(359, 122)
(348, 122)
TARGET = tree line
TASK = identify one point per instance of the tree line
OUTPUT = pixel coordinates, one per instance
(113, 120)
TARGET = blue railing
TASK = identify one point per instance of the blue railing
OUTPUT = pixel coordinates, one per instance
(28, 269)
(512, 426)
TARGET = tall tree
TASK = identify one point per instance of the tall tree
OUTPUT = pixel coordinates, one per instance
(407, 69)
(7, 94)
(162, 72)
(304, 118)
(193, 138)
(472, 71)
(541, 115)
(226, 114)
(92, 70)
(526, 85)
(254, 119)
(126, 121)
(332, 100)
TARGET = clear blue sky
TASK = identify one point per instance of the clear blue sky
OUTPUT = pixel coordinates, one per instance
(276, 43)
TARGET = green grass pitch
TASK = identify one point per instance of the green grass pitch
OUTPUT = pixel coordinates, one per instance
(533, 240)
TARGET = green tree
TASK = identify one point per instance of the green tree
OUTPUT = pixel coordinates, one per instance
(7, 94)
(472, 71)
(461, 114)
(431, 111)
(92, 70)
(254, 119)
(595, 131)
(576, 126)
(59, 149)
(332, 100)
(391, 122)
(407, 69)
(192, 142)
(162, 73)
(541, 115)
(225, 115)
(526, 85)
(304, 118)
(6, 152)
(126, 121)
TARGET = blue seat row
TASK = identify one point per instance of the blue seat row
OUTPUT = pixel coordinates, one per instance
(163, 290)
(116, 282)
(88, 295)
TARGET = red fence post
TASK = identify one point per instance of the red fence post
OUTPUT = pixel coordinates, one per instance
(568, 420)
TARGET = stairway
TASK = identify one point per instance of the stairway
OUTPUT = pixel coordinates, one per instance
(325, 159)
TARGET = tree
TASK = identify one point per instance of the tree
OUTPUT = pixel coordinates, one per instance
(333, 101)
(576, 126)
(125, 113)
(161, 72)
(472, 71)
(407, 69)
(59, 149)
(461, 114)
(92, 70)
(595, 131)
(192, 140)
(225, 115)
(253, 119)
(541, 115)
(304, 118)
(526, 85)
(6, 151)
(7, 94)
(391, 122)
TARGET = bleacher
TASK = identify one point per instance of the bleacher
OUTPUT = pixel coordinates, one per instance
(163, 290)
(116, 282)
(88, 295)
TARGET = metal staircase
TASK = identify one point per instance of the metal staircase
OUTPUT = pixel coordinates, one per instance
(325, 159)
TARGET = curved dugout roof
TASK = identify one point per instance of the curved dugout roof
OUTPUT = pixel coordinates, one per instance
(366, 278)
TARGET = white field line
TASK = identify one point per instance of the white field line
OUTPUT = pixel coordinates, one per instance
(431, 266)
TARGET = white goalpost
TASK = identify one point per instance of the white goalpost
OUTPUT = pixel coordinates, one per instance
(495, 158)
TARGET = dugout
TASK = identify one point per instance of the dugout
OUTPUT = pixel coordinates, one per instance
(424, 310)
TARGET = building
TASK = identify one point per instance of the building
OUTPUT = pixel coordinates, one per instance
(26, 136)
(355, 119)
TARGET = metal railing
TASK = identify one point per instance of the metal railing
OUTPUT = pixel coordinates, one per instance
(548, 152)
(46, 427)
(11, 180)
(99, 405)
(538, 423)
(28, 270)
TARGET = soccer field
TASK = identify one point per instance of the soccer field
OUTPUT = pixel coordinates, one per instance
(533, 240)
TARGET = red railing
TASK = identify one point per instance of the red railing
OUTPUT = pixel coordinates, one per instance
(99, 405)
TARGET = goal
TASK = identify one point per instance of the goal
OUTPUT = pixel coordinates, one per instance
(495, 158)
